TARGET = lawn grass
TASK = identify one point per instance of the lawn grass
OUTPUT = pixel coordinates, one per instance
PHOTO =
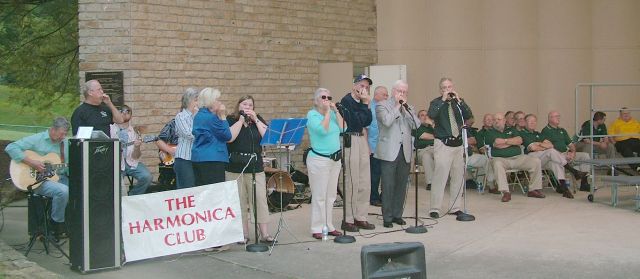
(13, 116)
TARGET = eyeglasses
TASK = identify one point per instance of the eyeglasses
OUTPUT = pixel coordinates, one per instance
(125, 111)
(325, 97)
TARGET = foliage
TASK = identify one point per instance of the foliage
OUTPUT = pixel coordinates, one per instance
(39, 53)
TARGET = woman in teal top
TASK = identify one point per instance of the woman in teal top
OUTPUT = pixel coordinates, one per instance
(324, 123)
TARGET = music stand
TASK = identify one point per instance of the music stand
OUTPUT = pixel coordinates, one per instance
(283, 133)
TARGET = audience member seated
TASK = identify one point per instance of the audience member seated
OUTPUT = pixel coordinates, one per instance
(537, 146)
(600, 141)
(477, 160)
(510, 120)
(629, 143)
(560, 139)
(506, 154)
(424, 144)
(520, 121)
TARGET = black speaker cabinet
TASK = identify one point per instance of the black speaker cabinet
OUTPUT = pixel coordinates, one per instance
(393, 260)
(93, 212)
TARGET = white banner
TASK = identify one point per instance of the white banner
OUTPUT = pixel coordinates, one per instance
(179, 221)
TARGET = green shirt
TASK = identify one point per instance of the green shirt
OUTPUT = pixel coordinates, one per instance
(492, 134)
(422, 143)
(529, 137)
(558, 136)
(480, 137)
(601, 130)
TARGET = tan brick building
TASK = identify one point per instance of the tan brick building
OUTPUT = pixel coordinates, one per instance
(269, 49)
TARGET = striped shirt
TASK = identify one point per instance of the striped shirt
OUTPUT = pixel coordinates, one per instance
(184, 124)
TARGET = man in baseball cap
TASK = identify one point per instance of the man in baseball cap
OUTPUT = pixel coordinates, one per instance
(357, 115)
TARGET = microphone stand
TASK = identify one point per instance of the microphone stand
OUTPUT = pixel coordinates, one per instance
(344, 238)
(421, 228)
(464, 216)
(256, 246)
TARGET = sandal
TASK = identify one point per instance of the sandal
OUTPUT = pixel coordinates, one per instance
(246, 240)
(268, 239)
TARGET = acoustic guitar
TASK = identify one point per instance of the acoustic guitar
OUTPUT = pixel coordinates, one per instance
(24, 175)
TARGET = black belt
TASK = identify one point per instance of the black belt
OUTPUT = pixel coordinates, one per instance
(452, 141)
(358, 134)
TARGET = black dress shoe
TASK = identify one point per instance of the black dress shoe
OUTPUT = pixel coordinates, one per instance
(434, 215)
(387, 224)
(457, 213)
(399, 221)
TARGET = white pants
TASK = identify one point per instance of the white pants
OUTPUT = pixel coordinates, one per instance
(323, 180)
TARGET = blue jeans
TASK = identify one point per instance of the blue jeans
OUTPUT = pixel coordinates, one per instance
(184, 173)
(59, 194)
(142, 177)
(374, 165)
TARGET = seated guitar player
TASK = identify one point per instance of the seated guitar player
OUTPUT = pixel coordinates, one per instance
(36, 152)
(130, 143)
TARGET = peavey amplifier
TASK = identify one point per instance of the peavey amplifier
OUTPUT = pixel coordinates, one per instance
(93, 212)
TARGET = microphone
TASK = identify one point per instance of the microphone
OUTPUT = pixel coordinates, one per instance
(453, 97)
(405, 105)
(246, 117)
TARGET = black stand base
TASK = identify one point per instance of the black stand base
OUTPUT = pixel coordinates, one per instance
(257, 247)
(465, 217)
(416, 229)
(344, 239)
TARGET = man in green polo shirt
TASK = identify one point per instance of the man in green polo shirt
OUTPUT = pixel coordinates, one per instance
(536, 145)
(506, 154)
(559, 137)
(477, 160)
(424, 145)
(600, 140)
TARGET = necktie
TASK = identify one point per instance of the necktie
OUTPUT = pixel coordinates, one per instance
(452, 121)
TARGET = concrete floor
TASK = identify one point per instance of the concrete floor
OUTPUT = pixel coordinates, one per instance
(525, 238)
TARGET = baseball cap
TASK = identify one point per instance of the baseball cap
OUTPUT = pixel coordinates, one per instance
(363, 77)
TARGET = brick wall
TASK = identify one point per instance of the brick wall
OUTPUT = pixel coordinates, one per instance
(269, 49)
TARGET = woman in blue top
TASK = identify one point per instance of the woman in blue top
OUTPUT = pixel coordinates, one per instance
(211, 132)
(324, 123)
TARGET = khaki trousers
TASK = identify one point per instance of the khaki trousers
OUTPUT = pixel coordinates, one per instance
(520, 162)
(610, 151)
(552, 160)
(358, 180)
(449, 163)
(425, 157)
(245, 188)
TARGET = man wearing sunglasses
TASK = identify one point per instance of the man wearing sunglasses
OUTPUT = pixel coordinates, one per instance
(357, 115)
(96, 111)
(130, 164)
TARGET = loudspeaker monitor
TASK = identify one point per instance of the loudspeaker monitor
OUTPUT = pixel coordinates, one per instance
(393, 260)
(93, 212)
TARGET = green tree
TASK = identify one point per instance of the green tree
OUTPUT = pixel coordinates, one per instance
(39, 54)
